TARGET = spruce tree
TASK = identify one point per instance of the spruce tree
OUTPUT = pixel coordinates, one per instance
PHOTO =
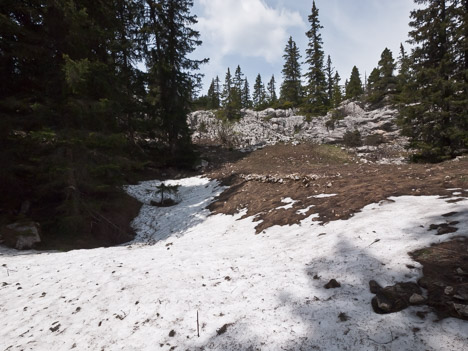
(259, 94)
(272, 97)
(291, 89)
(171, 72)
(316, 88)
(330, 81)
(246, 101)
(404, 76)
(382, 81)
(337, 96)
(229, 98)
(436, 120)
(354, 87)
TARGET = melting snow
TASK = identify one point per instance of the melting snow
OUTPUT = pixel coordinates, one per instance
(289, 203)
(146, 297)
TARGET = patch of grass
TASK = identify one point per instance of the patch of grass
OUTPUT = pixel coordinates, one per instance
(330, 154)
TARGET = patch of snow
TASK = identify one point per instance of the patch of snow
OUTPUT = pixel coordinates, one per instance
(305, 210)
(143, 297)
(458, 193)
(323, 196)
(289, 203)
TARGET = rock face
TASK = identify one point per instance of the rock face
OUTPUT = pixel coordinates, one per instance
(272, 126)
(21, 235)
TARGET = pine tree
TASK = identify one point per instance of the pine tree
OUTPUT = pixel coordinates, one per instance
(316, 89)
(246, 101)
(226, 97)
(291, 89)
(171, 76)
(272, 97)
(403, 77)
(382, 81)
(330, 81)
(337, 95)
(354, 87)
(259, 94)
(213, 98)
(230, 98)
(437, 120)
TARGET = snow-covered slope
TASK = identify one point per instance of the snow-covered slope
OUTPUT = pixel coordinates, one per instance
(251, 292)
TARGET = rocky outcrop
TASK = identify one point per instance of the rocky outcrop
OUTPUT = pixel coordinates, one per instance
(273, 126)
(22, 235)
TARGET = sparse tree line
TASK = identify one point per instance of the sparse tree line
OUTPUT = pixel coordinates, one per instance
(429, 85)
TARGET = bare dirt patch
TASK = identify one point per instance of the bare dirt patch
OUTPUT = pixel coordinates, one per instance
(262, 180)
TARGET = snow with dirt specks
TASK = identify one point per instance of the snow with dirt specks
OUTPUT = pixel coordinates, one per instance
(131, 297)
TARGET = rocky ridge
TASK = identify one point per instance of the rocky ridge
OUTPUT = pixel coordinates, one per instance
(375, 131)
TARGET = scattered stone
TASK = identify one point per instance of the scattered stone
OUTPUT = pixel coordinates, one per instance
(417, 299)
(21, 235)
(395, 298)
(54, 329)
(172, 333)
(450, 214)
(446, 229)
(223, 329)
(374, 287)
(449, 290)
(343, 317)
(332, 284)
(462, 310)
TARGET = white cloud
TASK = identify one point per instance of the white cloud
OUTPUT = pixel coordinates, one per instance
(249, 28)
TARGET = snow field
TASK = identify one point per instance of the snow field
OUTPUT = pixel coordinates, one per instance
(268, 288)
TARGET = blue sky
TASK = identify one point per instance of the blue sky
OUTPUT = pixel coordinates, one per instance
(253, 33)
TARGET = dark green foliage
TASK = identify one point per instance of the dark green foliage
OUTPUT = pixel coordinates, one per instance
(436, 114)
(272, 97)
(316, 88)
(330, 81)
(352, 139)
(291, 89)
(77, 117)
(354, 87)
(214, 95)
(382, 83)
(337, 93)
(231, 98)
(259, 97)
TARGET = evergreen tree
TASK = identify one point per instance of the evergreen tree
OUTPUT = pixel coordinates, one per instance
(259, 94)
(316, 81)
(382, 81)
(330, 80)
(372, 84)
(246, 101)
(213, 97)
(437, 119)
(226, 96)
(404, 75)
(171, 77)
(291, 90)
(272, 97)
(238, 86)
(354, 87)
(229, 98)
(337, 96)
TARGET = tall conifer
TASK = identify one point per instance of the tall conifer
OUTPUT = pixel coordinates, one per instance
(316, 89)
